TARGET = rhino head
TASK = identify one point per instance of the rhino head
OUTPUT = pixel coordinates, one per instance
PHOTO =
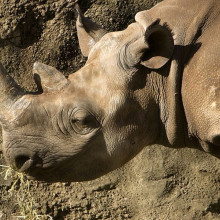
(84, 126)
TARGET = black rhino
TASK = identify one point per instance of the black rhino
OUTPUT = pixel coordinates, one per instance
(157, 82)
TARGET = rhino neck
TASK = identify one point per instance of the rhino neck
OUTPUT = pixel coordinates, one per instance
(164, 99)
(150, 91)
(161, 95)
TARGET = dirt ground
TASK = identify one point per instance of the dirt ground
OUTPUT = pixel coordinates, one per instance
(158, 184)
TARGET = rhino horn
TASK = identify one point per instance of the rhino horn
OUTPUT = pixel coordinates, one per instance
(154, 49)
(8, 87)
(88, 32)
(48, 78)
(10, 93)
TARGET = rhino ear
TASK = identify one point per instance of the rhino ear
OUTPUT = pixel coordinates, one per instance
(48, 78)
(88, 32)
(161, 44)
(154, 49)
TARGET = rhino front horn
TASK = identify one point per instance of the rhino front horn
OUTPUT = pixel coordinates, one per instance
(48, 78)
(8, 87)
(10, 92)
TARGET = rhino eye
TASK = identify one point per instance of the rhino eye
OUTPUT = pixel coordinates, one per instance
(83, 122)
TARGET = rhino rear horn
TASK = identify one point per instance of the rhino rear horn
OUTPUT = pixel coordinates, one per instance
(88, 32)
(48, 78)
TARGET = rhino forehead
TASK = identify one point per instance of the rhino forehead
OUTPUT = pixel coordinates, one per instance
(112, 42)
(115, 102)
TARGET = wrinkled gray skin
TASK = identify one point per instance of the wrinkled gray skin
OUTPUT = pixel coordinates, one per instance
(157, 82)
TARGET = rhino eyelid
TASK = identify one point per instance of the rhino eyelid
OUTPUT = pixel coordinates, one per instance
(83, 121)
(72, 113)
(74, 120)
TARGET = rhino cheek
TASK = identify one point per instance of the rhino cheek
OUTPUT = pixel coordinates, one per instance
(85, 161)
(90, 164)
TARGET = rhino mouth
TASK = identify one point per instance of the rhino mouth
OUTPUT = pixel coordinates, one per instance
(35, 169)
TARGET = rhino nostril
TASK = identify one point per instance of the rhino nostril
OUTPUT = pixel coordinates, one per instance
(215, 140)
(21, 161)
